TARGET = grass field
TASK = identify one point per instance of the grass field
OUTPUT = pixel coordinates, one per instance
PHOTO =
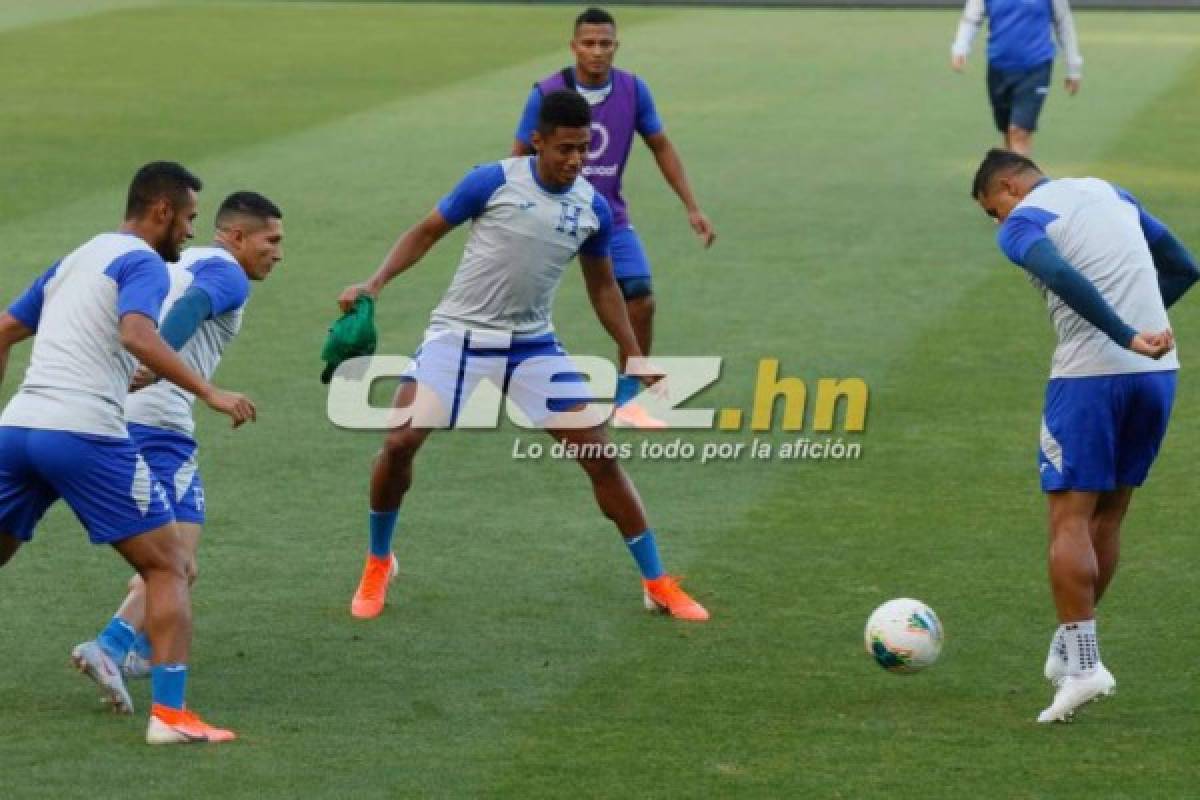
(834, 152)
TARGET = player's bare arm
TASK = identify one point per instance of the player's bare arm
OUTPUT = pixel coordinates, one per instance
(607, 301)
(410, 248)
(12, 331)
(671, 166)
(139, 335)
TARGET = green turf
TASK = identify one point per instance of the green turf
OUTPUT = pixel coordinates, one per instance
(834, 152)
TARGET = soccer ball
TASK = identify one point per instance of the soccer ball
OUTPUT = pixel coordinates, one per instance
(904, 635)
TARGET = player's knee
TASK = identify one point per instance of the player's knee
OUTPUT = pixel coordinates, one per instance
(641, 307)
(399, 447)
(136, 584)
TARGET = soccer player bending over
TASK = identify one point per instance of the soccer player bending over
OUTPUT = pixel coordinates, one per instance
(529, 216)
(1109, 271)
(203, 313)
(63, 434)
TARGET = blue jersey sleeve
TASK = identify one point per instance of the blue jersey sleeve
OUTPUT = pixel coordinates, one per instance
(470, 197)
(27, 309)
(647, 123)
(225, 283)
(1045, 262)
(1024, 228)
(142, 283)
(185, 316)
(1152, 228)
(529, 117)
(598, 243)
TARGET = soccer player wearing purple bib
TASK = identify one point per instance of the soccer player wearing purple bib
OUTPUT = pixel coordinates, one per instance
(621, 106)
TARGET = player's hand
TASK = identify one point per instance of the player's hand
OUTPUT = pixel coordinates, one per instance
(236, 406)
(1072, 85)
(1153, 345)
(958, 63)
(350, 295)
(142, 378)
(703, 227)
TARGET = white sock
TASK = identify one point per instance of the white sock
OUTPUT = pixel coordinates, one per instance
(1083, 651)
(1058, 644)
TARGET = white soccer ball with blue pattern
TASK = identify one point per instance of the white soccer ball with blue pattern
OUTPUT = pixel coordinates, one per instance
(904, 635)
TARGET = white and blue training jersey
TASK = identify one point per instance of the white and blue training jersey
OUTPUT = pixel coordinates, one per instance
(79, 372)
(1103, 232)
(522, 237)
(218, 274)
(1019, 33)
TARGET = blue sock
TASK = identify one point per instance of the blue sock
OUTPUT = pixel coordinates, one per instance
(383, 525)
(627, 387)
(141, 646)
(645, 553)
(117, 638)
(168, 684)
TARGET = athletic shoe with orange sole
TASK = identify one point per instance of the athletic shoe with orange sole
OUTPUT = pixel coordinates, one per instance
(372, 588)
(180, 726)
(90, 659)
(665, 596)
(631, 415)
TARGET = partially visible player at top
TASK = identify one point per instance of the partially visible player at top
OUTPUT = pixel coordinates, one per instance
(1020, 54)
(529, 218)
(202, 314)
(1109, 271)
(621, 106)
(63, 434)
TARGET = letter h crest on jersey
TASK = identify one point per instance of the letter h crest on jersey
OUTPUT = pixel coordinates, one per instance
(568, 220)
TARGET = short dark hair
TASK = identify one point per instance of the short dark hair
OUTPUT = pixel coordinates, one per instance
(156, 180)
(997, 162)
(247, 204)
(564, 108)
(595, 16)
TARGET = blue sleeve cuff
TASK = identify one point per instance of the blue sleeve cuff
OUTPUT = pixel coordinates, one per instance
(598, 244)
(142, 283)
(224, 282)
(27, 309)
(1024, 228)
(469, 199)
(529, 117)
(648, 122)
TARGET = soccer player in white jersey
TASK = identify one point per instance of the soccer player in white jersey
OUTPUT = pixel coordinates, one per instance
(63, 434)
(529, 216)
(203, 313)
(1020, 53)
(1109, 271)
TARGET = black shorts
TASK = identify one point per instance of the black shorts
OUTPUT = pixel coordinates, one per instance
(1017, 96)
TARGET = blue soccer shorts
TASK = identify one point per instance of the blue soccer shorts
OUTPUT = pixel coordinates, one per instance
(1102, 432)
(172, 459)
(628, 257)
(453, 364)
(104, 480)
(1017, 96)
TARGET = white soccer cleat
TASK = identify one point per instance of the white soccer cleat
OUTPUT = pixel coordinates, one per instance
(91, 659)
(135, 667)
(1075, 691)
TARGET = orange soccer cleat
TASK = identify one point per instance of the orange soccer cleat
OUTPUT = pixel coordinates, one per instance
(665, 595)
(632, 415)
(180, 726)
(372, 588)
